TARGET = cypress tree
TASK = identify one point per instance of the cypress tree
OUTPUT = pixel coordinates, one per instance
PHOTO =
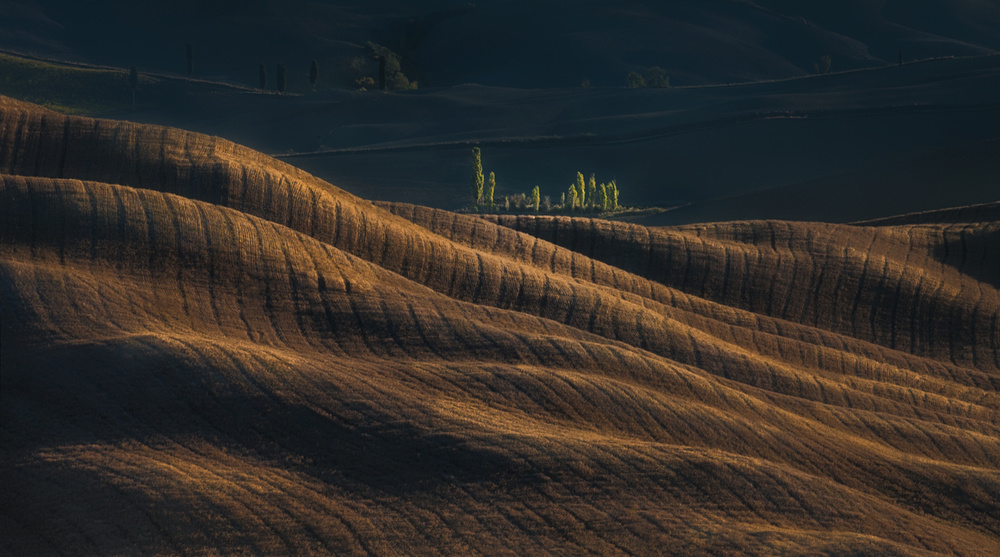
(133, 83)
(535, 198)
(573, 197)
(262, 76)
(314, 74)
(190, 58)
(477, 176)
(491, 185)
(562, 201)
(602, 195)
(282, 78)
(592, 191)
(614, 195)
(581, 190)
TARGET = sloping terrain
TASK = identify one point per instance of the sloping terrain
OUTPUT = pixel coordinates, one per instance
(834, 148)
(206, 350)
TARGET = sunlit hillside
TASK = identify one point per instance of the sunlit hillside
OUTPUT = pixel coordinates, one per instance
(208, 351)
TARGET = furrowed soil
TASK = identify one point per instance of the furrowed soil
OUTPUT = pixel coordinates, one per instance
(208, 351)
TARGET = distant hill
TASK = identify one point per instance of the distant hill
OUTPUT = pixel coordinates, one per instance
(206, 350)
(841, 147)
(550, 43)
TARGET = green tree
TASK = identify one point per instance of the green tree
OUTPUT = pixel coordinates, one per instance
(562, 201)
(614, 195)
(573, 197)
(190, 58)
(477, 176)
(581, 190)
(657, 77)
(390, 71)
(635, 80)
(536, 198)
(602, 196)
(592, 190)
(133, 83)
(359, 66)
(314, 74)
(491, 186)
(262, 76)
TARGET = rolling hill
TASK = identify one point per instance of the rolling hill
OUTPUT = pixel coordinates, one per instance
(206, 350)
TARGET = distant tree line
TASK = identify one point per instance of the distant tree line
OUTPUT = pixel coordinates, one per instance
(583, 195)
(281, 76)
(389, 72)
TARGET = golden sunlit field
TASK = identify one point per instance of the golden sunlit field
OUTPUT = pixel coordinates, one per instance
(208, 351)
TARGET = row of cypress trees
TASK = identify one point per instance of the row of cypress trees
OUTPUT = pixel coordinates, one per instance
(390, 75)
(583, 195)
(281, 76)
(588, 195)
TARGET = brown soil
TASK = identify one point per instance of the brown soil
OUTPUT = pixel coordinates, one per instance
(208, 351)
